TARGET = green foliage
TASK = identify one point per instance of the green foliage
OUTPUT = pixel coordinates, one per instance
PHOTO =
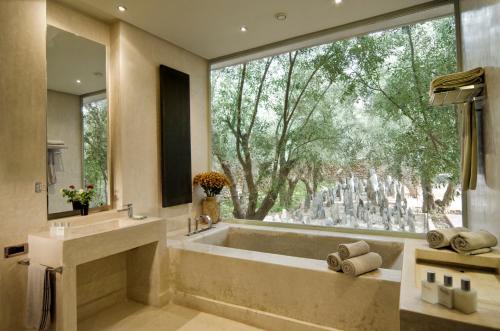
(342, 107)
(95, 149)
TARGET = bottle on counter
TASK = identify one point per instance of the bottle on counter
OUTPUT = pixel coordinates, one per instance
(430, 288)
(465, 298)
(445, 292)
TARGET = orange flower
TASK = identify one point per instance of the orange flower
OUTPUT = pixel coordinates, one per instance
(212, 182)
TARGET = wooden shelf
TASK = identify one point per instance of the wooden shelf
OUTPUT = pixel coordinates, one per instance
(458, 95)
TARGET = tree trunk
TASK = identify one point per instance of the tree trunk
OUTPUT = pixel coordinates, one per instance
(292, 184)
(309, 193)
(449, 195)
(316, 177)
(428, 204)
(237, 209)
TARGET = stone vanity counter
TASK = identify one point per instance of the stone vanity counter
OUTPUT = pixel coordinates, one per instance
(482, 270)
(96, 237)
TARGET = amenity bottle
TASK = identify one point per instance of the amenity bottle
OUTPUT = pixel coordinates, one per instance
(445, 292)
(430, 288)
(465, 298)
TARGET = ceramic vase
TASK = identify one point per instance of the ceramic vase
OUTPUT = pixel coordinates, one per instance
(210, 206)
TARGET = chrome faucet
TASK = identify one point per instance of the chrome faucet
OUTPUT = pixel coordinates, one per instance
(129, 208)
(205, 218)
(130, 212)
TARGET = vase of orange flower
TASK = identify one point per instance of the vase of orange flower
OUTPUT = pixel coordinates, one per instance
(212, 184)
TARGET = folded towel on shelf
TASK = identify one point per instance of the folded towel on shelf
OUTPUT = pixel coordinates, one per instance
(473, 242)
(441, 237)
(39, 298)
(334, 261)
(452, 81)
(362, 264)
(347, 251)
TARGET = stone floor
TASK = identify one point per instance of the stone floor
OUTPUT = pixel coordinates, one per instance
(132, 316)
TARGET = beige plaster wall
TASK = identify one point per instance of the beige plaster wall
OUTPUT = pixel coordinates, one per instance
(64, 122)
(134, 138)
(23, 96)
(480, 44)
(136, 57)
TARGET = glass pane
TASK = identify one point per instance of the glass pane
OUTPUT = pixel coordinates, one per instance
(342, 134)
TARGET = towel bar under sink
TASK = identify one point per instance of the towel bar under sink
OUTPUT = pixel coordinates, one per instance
(26, 262)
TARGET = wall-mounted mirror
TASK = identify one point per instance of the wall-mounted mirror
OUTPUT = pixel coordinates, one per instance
(77, 124)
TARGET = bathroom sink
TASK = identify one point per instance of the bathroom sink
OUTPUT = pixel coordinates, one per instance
(97, 227)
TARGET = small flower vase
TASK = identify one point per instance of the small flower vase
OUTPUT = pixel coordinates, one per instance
(210, 206)
(84, 211)
(77, 205)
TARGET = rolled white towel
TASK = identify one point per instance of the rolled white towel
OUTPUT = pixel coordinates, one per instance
(362, 264)
(441, 237)
(334, 261)
(357, 248)
(473, 242)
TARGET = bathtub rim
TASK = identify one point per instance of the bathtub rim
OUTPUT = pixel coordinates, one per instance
(383, 233)
(190, 244)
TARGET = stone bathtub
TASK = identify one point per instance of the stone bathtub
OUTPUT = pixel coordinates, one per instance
(278, 279)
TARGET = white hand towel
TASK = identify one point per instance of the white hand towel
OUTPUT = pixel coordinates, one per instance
(441, 237)
(358, 248)
(474, 242)
(334, 261)
(38, 301)
(361, 264)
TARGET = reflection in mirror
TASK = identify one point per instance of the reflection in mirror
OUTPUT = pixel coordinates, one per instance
(77, 122)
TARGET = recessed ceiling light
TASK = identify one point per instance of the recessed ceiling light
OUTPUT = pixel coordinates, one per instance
(337, 2)
(280, 16)
(243, 29)
(121, 8)
(78, 81)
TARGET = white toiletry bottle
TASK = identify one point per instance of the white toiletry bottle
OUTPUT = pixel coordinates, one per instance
(445, 292)
(465, 299)
(430, 288)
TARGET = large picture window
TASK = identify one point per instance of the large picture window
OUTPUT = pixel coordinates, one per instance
(342, 134)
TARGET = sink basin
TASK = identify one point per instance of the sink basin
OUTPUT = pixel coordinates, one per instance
(97, 227)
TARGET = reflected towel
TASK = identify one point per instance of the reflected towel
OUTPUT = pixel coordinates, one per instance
(441, 237)
(362, 264)
(458, 79)
(51, 167)
(358, 248)
(38, 300)
(472, 243)
(334, 261)
(55, 142)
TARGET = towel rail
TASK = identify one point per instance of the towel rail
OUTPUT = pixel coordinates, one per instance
(457, 95)
(26, 262)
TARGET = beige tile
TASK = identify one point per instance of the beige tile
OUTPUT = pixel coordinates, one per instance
(137, 317)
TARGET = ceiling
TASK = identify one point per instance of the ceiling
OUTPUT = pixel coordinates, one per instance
(211, 28)
(71, 58)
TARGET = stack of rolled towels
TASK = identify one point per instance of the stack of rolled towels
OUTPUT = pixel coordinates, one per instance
(462, 240)
(354, 259)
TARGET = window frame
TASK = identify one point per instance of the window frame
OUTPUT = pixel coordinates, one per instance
(412, 15)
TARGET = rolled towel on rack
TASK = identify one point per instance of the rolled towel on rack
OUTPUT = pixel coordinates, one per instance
(334, 261)
(362, 264)
(458, 79)
(473, 242)
(357, 248)
(441, 237)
